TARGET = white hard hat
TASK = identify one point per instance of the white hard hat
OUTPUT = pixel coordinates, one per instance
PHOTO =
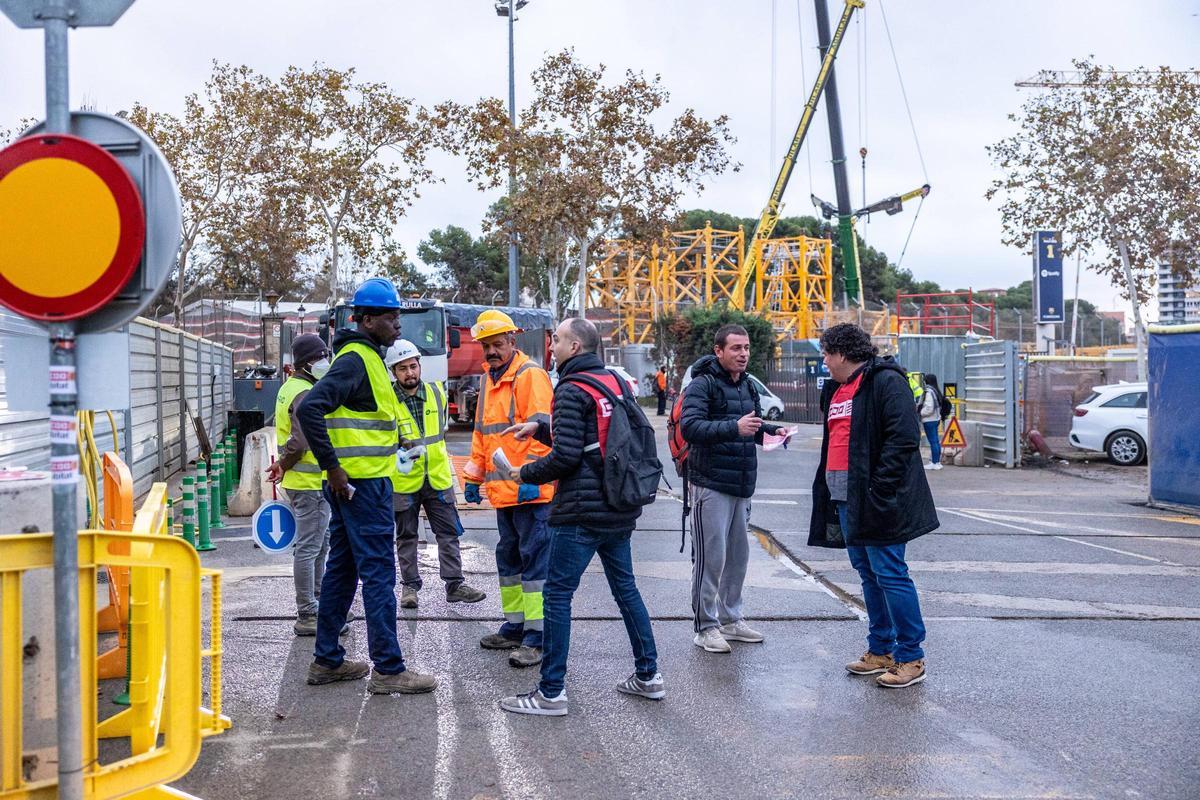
(401, 350)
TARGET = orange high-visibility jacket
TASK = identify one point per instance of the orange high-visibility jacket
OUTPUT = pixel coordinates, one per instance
(523, 394)
(661, 380)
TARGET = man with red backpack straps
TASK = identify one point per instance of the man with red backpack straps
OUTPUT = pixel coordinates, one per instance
(589, 515)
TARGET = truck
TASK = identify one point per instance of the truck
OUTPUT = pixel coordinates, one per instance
(442, 332)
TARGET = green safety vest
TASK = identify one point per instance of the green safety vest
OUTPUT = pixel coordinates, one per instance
(432, 433)
(916, 382)
(365, 442)
(305, 475)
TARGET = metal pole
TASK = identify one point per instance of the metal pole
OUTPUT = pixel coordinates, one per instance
(1075, 307)
(513, 289)
(64, 461)
(841, 183)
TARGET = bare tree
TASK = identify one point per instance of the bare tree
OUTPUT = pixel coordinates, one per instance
(1113, 162)
(590, 160)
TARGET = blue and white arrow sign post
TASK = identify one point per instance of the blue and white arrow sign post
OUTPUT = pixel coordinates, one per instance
(274, 527)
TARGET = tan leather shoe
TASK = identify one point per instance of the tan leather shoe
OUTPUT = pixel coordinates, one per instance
(901, 675)
(407, 682)
(870, 664)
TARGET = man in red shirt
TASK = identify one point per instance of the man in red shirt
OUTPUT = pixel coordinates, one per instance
(871, 497)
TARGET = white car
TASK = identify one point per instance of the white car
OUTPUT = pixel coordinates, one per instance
(772, 405)
(1113, 419)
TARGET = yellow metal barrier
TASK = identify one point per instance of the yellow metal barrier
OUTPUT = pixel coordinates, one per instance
(165, 684)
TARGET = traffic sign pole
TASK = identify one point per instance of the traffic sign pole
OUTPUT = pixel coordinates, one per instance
(55, 17)
(64, 461)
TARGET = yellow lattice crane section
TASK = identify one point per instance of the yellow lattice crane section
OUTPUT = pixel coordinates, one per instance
(792, 284)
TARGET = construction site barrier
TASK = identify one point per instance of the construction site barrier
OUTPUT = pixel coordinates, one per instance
(165, 687)
(117, 515)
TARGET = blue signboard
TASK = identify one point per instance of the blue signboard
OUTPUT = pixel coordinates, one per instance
(1048, 277)
(274, 527)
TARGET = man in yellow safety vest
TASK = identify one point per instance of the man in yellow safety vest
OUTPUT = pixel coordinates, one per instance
(300, 476)
(423, 479)
(349, 419)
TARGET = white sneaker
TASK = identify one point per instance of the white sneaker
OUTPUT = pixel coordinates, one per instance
(653, 689)
(712, 641)
(937, 466)
(740, 632)
(536, 704)
(929, 465)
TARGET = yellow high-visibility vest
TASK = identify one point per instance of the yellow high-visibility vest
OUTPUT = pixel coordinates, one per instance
(366, 441)
(432, 429)
(305, 475)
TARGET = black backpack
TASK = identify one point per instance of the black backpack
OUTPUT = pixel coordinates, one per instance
(631, 469)
(944, 406)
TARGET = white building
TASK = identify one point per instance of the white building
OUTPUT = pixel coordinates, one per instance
(1178, 303)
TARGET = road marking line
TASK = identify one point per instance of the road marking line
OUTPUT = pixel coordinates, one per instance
(1025, 529)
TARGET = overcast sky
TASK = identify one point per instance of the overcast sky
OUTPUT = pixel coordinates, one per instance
(958, 62)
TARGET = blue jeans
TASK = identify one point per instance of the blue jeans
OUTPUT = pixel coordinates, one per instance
(935, 442)
(571, 550)
(521, 556)
(893, 611)
(361, 541)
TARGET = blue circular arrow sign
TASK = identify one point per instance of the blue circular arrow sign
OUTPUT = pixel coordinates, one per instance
(274, 527)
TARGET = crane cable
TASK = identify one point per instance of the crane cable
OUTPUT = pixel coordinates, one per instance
(804, 82)
(911, 124)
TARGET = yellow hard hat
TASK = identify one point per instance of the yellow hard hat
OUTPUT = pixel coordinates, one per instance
(492, 322)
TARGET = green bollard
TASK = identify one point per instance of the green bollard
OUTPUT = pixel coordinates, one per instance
(214, 495)
(205, 542)
(189, 510)
(231, 476)
(170, 517)
(218, 498)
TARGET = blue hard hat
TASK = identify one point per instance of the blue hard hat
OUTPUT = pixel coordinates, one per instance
(376, 293)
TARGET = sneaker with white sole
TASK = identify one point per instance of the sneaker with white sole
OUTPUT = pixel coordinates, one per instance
(740, 632)
(536, 704)
(653, 689)
(902, 674)
(712, 641)
(937, 466)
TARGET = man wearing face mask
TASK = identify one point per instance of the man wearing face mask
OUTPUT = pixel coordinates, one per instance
(350, 421)
(300, 476)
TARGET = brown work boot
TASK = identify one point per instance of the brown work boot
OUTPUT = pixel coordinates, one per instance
(525, 657)
(498, 641)
(870, 664)
(306, 625)
(407, 682)
(346, 671)
(408, 597)
(900, 675)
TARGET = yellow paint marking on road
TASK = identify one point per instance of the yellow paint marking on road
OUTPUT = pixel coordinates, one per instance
(1182, 520)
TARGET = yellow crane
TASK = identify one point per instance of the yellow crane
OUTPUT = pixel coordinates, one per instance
(771, 213)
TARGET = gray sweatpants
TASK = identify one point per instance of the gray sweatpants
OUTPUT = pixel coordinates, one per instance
(312, 547)
(721, 551)
(443, 521)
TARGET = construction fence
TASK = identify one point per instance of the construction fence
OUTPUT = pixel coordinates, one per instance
(176, 379)
(1054, 385)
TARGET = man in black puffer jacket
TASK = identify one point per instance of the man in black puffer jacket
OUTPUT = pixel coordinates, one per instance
(582, 524)
(722, 421)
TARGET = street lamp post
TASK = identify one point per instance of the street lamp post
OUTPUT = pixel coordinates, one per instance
(509, 8)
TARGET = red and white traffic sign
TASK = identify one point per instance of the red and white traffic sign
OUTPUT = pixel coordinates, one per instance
(72, 227)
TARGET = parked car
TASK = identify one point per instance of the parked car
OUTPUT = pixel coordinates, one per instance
(1113, 419)
(772, 405)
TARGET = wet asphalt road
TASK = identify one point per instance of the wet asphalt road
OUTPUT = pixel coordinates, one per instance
(1061, 617)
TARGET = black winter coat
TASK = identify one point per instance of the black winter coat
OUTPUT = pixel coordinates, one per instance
(720, 458)
(888, 498)
(579, 498)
